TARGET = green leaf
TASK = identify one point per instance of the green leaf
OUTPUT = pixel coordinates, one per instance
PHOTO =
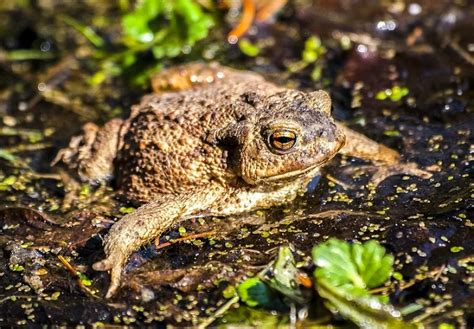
(392, 133)
(167, 26)
(26, 55)
(85, 30)
(229, 292)
(446, 326)
(13, 160)
(373, 265)
(364, 310)
(278, 277)
(456, 249)
(313, 49)
(136, 23)
(55, 295)
(4, 154)
(16, 267)
(381, 95)
(398, 93)
(249, 48)
(395, 93)
(163, 28)
(343, 276)
(10, 180)
(84, 279)
(254, 292)
(361, 265)
(126, 210)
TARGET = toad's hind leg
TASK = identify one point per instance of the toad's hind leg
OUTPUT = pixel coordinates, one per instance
(360, 146)
(387, 162)
(195, 75)
(92, 153)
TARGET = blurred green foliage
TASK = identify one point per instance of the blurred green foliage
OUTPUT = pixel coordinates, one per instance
(165, 29)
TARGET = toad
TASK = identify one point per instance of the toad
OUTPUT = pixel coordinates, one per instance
(212, 140)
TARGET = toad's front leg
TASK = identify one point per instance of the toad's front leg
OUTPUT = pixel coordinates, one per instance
(152, 219)
(146, 223)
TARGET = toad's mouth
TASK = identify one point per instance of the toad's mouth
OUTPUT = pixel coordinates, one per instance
(297, 173)
(310, 170)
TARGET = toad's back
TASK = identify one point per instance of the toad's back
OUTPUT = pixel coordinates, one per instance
(165, 148)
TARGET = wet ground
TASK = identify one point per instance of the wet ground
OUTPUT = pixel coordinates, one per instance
(425, 48)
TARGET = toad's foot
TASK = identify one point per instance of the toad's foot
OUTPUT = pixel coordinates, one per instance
(381, 172)
(387, 162)
(409, 168)
(134, 230)
(92, 154)
(114, 262)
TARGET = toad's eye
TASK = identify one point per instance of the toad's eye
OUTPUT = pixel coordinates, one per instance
(281, 141)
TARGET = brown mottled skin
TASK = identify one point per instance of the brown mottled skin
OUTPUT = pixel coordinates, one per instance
(212, 140)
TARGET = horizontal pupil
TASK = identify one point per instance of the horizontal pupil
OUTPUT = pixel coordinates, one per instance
(284, 140)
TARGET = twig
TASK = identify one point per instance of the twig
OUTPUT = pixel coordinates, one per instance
(440, 271)
(55, 76)
(432, 311)
(360, 38)
(185, 238)
(45, 176)
(338, 182)
(206, 323)
(73, 272)
(27, 147)
(322, 215)
(7, 298)
(461, 52)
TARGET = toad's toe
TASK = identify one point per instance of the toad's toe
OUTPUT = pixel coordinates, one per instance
(115, 276)
(103, 265)
(114, 263)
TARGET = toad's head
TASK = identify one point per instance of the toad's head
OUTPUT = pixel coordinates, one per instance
(285, 135)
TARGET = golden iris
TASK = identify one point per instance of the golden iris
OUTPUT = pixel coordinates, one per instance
(282, 140)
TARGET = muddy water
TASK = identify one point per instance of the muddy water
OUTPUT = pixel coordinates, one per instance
(424, 48)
